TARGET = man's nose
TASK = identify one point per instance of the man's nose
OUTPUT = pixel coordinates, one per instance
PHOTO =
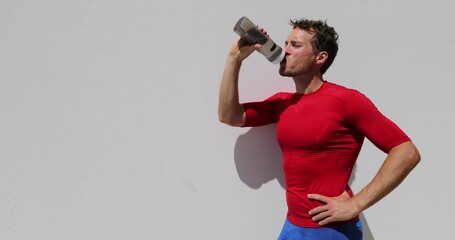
(286, 49)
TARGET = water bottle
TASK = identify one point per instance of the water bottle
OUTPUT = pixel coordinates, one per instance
(252, 35)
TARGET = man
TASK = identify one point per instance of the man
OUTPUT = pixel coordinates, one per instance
(320, 129)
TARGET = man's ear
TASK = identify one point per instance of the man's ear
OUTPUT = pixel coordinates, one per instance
(322, 57)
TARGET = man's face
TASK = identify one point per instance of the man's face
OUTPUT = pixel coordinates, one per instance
(300, 58)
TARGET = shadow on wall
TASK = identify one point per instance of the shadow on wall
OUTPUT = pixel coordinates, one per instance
(258, 157)
(258, 160)
(367, 235)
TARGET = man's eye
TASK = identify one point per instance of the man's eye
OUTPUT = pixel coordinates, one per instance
(295, 45)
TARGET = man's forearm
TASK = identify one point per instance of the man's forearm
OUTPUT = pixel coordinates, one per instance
(398, 164)
(230, 111)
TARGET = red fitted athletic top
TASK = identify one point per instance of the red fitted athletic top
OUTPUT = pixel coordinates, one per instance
(320, 135)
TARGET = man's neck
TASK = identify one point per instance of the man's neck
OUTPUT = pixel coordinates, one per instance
(308, 84)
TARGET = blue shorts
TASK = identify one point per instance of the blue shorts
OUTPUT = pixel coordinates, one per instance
(348, 231)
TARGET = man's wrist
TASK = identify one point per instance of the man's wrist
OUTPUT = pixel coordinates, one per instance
(358, 207)
(233, 58)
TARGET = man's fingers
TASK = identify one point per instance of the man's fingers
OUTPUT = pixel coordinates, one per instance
(321, 216)
(318, 210)
(319, 197)
(257, 46)
(326, 221)
(335, 209)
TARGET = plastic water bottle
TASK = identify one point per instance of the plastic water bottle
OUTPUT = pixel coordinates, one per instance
(252, 35)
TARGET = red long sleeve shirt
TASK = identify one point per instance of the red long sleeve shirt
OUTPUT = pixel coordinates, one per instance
(320, 135)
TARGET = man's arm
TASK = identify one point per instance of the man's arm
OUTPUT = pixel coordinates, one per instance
(398, 164)
(230, 111)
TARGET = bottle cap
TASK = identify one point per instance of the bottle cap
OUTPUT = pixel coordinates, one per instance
(279, 58)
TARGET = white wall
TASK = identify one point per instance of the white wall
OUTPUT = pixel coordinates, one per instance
(109, 130)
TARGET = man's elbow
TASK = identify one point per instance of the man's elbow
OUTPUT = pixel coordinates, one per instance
(413, 155)
(408, 154)
(231, 121)
(416, 156)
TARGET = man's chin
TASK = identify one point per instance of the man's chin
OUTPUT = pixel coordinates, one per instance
(284, 73)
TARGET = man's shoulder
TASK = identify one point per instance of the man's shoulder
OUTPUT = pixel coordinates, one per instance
(281, 95)
(339, 87)
(347, 95)
(341, 90)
